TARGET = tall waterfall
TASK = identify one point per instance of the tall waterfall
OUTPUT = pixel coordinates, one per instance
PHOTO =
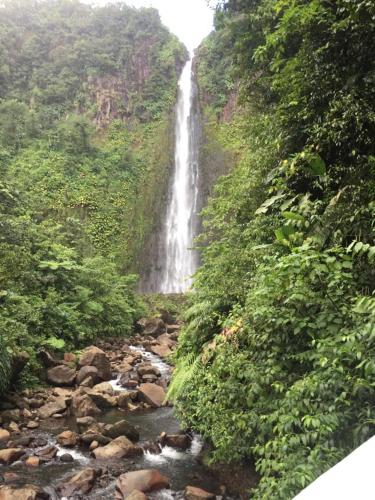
(180, 261)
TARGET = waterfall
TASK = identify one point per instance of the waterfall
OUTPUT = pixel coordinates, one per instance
(180, 261)
(171, 261)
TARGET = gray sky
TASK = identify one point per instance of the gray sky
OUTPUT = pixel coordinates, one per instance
(190, 20)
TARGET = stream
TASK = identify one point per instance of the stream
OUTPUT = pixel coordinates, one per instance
(183, 468)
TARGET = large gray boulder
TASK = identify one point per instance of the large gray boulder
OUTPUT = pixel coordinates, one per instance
(61, 375)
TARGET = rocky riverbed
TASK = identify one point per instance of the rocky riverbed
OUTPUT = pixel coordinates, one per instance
(103, 428)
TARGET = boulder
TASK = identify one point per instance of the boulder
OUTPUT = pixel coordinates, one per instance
(148, 369)
(79, 484)
(67, 438)
(93, 356)
(48, 453)
(136, 495)
(32, 424)
(85, 422)
(90, 436)
(193, 493)
(161, 350)
(181, 441)
(87, 371)
(167, 316)
(121, 428)
(4, 435)
(66, 458)
(165, 339)
(123, 400)
(83, 406)
(154, 327)
(70, 357)
(27, 492)
(152, 394)
(10, 415)
(32, 461)
(142, 480)
(49, 409)
(61, 375)
(120, 447)
(48, 360)
(10, 455)
(105, 388)
(173, 328)
(11, 477)
(101, 399)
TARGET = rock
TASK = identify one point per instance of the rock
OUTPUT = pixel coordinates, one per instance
(136, 495)
(79, 484)
(105, 388)
(62, 392)
(161, 350)
(154, 327)
(26, 413)
(102, 400)
(90, 436)
(93, 356)
(125, 367)
(48, 453)
(49, 409)
(147, 369)
(10, 455)
(129, 380)
(123, 400)
(85, 422)
(18, 363)
(166, 340)
(11, 477)
(48, 360)
(94, 445)
(182, 441)
(87, 371)
(22, 441)
(193, 493)
(32, 461)
(36, 403)
(142, 480)
(173, 328)
(67, 438)
(61, 375)
(149, 378)
(4, 435)
(32, 424)
(27, 492)
(152, 394)
(70, 357)
(11, 415)
(121, 428)
(88, 382)
(83, 406)
(66, 458)
(166, 316)
(13, 427)
(120, 447)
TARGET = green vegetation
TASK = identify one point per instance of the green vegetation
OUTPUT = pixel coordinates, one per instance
(86, 100)
(276, 362)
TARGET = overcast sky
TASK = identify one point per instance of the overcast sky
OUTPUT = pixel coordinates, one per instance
(190, 20)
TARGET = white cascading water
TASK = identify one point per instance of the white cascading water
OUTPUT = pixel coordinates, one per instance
(180, 261)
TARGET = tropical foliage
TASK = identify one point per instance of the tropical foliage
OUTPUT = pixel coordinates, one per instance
(276, 363)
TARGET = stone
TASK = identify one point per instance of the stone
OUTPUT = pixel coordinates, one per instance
(62, 392)
(87, 371)
(173, 328)
(121, 428)
(102, 400)
(49, 409)
(70, 357)
(13, 427)
(152, 394)
(166, 340)
(27, 492)
(66, 458)
(181, 441)
(166, 316)
(147, 369)
(84, 406)
(67, 438)
(48, 360)
(32, 424)
(26, 413)
(32, 462)
(10, 416)
(94, 445)
(142, 480)
(79, 484)
(4, 435)
(154, 327)
(136, 495)
(105, 388)
(120, 447)
(90, 436)
(93, 356)
(11, 477)
(88, 382)
(85, 422)
(163, 351)
(123, 400)
(48, 453)
(193, 493)
(10, 455)
(61, 375)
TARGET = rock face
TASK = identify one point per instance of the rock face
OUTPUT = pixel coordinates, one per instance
(25, 493)
(120, 447)
(61, 375)
(143, 480)
(152, 394)
(79, 484)
(192, 493)
(49, 409)
(93, 356)
(10, 455)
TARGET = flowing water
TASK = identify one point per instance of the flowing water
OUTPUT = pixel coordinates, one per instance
(173, 260)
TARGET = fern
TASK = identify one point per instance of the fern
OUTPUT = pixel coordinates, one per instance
(183, 373)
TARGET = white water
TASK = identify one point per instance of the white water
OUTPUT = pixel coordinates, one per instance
(180, 261)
